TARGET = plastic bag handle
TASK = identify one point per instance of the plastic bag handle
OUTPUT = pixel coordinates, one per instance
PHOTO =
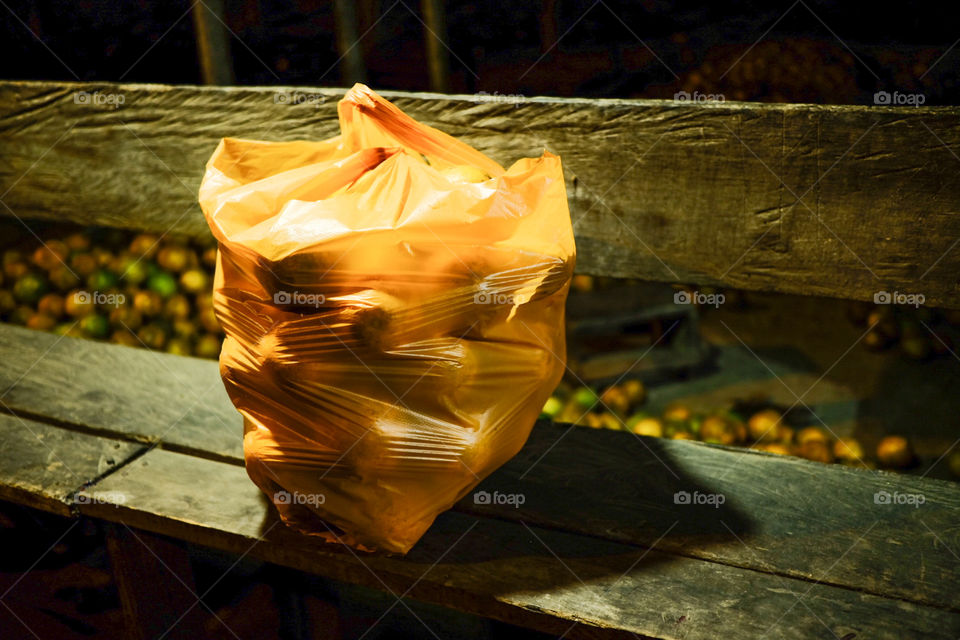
(361, 107)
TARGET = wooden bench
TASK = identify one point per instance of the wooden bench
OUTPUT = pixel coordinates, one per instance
(841, 201)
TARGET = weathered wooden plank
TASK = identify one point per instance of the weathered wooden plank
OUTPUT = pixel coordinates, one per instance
(120, 391)
(790, 516)
(43, 465)
(795, 518)
(842, 201)
(513, 572)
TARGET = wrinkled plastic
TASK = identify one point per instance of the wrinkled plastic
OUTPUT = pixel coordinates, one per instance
(391, 333)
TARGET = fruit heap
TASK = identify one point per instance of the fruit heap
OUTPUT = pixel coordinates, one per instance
(619, 408)
(582, 406)
(137, 289)
(919, 332)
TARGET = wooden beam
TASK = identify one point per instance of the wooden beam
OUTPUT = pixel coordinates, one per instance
(842, 201)
(559, 583)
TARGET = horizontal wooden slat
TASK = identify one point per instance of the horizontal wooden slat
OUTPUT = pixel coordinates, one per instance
(842, 201)
(792, 517)
(107, 389)
(780, 514)
(43, 465)
(513, 572)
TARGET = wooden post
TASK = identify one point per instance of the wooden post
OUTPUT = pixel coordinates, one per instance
(152, 597)
(348, 42)
(213, 42)
(549, 29)
(435, 34)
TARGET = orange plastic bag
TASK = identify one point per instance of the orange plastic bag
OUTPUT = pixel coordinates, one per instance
(394, 317)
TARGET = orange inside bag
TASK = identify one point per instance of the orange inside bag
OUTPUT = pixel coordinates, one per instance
(393, 302)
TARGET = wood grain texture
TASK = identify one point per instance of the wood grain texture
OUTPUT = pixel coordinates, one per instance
(792, 517)
(842, 201)
(514, 572)
(42, 466)
(111, 390)
(783, 515)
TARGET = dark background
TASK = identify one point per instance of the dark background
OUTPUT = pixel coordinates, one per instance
(803, 51)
